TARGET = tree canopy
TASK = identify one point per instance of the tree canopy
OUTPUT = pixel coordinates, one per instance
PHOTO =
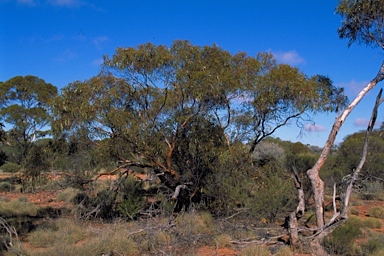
(150, 103)
(363, 21)
(25, 108)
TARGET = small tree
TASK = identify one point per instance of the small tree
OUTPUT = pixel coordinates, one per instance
(25, 108)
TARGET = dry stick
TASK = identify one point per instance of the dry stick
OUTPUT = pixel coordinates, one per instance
(12, 233)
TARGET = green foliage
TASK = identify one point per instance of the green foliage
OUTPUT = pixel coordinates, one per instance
(36, 163)
(274, 197)
(63, 236)
(252, 250)
(172, 108)
(5, 186)
(341, 241)
(68, 195)
(18, 208)
(374, 245)
(130, 198)
(362, 21)
(346, 158)
(194, 224)
(26, 107)
(11, 167)
(372, 223)
(372, 190)
(376, 212)
(2, 133)
(231, 182)
(122, 199)
(354, 211)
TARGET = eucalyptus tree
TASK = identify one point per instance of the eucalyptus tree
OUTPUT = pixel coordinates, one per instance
(174, 109)
(25, 109)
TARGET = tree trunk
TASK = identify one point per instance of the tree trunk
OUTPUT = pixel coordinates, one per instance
(318, 184)
(298, 212)
(313, 173)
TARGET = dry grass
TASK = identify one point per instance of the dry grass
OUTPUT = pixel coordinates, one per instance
(65, 237)
(18, 208)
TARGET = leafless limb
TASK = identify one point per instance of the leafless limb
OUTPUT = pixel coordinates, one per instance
(12, 236)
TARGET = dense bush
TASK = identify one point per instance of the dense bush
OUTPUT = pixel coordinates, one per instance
(11, 167)
(376, 212)
(123, 199)
(374, 244)
(5, 186)
(341, 241)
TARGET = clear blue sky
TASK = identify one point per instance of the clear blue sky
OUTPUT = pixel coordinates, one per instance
(63, 41)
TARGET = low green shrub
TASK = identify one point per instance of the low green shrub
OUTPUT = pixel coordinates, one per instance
(11, 167)
(341, 241)
(354, 211)
(374, 245)
(194, 223)
(253, 250)
(373, 190)
(5, 186)
(63, 239)
(376, 212)
(68, 195)
(222, 240)
(284, 251)
(372, 223)
(63, 231)
(18, 208)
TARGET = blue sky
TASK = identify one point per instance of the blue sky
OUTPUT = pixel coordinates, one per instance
(63, 41)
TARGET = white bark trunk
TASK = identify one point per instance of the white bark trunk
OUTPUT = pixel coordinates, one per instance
(313, 173)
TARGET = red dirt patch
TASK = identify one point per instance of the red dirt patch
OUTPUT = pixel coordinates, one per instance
(208, 251)
(41, 198)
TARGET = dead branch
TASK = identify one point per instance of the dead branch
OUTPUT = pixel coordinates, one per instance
(178, 188)
(12, 236)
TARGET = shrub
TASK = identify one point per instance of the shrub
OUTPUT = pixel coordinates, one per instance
(356, 221)
(5, 186)
(374, 245)
(341, 241)
(18, 208)
(284, 251)
(372, 223)
(63, 231)
(354, 211)
(372, 190)
(258, 250)
(68, 195)
(42, 237)
(222, 240)
(194, 223)
(130, 198)
(10, 167)
(376, 212)
(274, 197)
(109, 240)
